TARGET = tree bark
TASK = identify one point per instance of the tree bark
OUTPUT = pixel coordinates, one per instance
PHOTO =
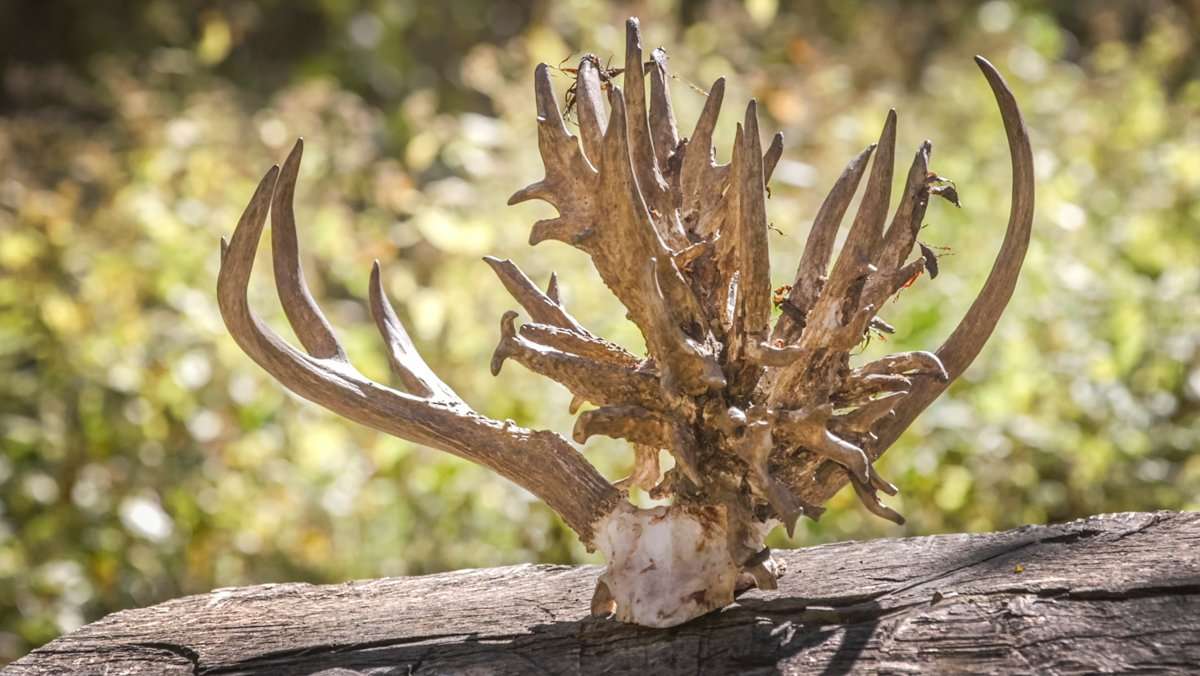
(1111, 593)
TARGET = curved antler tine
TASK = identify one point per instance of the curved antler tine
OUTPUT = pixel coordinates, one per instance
(701, 180)
(662, 116)
(968, 338)
(701, 141)
(296, 370)
(750, 233)
(650, 181)
(403, 357)
(237, 260)
(641, 150)
(863, 238)
(593, 116)
(772, 156)
(299, 372)
(541, 306)
(547, 106)
(866, 494)
(303, 313)
(902, 233)
(818, 248)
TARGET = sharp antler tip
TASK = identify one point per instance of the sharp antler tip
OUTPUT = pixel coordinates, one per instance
(268, 180)
(989, 70)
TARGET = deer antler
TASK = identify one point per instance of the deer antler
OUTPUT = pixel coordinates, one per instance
(430, 412)
(764, 422)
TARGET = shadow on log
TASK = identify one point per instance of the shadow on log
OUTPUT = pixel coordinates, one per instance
(1109, 593)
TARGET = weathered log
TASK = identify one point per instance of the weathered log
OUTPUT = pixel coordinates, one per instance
(1112, 593)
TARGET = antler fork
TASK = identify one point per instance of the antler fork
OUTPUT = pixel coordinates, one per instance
(430, 412)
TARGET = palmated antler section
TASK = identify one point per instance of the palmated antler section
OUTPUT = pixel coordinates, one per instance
(683, 243)
(603, 212)
(429, 412)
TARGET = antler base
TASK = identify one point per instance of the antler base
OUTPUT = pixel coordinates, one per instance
(668, 564)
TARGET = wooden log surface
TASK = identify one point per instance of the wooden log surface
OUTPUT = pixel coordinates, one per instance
(1111, 593)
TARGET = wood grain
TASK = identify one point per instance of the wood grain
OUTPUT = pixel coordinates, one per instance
(1111, 593)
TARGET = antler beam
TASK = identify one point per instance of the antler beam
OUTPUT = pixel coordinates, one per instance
(432, 414)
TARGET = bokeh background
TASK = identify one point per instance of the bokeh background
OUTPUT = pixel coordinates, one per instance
(143, 457)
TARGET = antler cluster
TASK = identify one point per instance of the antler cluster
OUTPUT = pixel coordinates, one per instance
(764, 421)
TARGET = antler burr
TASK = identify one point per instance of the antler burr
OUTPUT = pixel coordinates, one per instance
(765, 421)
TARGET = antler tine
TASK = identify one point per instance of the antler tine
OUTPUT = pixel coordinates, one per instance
(542, 462)
(642, 152)
(753, 255)
(303, 313)
(701, 179)
(902, 233)
(540, 306)
(861, 242)
(641, 145)
(403, 357)
(663, 130)
(969, 337)
(600, 382)
(568, 172)
(772, 156)
(836, 317)
(818, 248)
(754, 288)
(754, 448)
(546, 103)
(866, 494)
(589, 102)
(574, 343)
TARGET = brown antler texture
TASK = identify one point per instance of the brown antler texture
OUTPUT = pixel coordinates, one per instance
(429, 412)
(762, 411)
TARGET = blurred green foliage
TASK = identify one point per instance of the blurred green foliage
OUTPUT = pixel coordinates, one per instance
(142, 456)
